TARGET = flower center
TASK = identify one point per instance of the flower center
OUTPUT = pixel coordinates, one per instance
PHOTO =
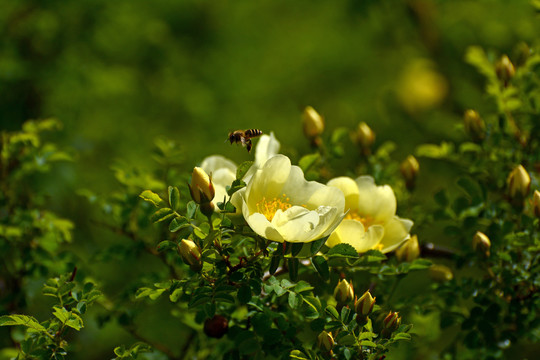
(269, 207)
(366, 221)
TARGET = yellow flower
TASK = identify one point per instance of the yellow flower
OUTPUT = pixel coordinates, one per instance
(223, 170)
(280, 205)
(371, 222)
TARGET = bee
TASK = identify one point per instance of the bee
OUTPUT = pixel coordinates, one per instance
(244, 137)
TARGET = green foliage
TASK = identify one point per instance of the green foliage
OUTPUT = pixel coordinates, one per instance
(47, 339)
(118, 74)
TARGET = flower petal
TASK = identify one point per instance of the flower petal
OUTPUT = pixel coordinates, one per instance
(396, 232)
(215, 162)
(258, 223)
(267, 146)
(296, 224)
(352, 232)
(378, 202)
(349, 188)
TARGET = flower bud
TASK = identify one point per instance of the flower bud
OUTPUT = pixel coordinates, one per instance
(536, 203)
(343, 292)
(364, 305)
(440, 273)
(201, 188)
(474, 125)
(325, 341)
(519, 183)
(409, 169)
(313, 123)
(191, 254)
(505, 69)
(392, 321)
(216, 327)
(365, 136)
(481, 243)
(409, 250)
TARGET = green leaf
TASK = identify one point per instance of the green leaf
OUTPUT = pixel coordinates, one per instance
(322, 266)
(298, 355)
(317, 244)
(23, 320)
(346, 339)
(178, 223)
(420, 264)
(302, 286)
(293, 268)
(401, 336)
(471, 188)
(235, 186)
(332, 311)
(373, 256)
(476, 56)
(174, 198)
(296, 248)
(308, 161)
(242, 169)
(191, 208)
(151, 197)
(274, 264)
(311, 308)
(435, 151)
(367, 343)
(175, 295)
(68, 318)
(343, 250)
(166, 245)
(244, 294)
(162, 215)
(294, 300)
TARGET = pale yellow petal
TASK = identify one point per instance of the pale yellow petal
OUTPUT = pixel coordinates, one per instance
(396, 232)
(377, 202)
(267, 146)
(350, 190)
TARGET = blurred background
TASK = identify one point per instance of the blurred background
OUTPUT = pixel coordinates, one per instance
(119, 74)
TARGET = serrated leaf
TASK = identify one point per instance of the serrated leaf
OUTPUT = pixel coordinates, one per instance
(68, 318)
(174, 198)
(175, 295)
(302, 286)
(23, 320)
(420, 264)
(162, 215)
(235, 186)
(401, 336)
(152, 197)
(343, 250)
(322, 266)
(367, 343)
(242, 169)
(298, 355)
(294, 300)
(224, 297)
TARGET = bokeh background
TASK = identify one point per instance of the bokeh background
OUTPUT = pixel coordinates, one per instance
(120, 74)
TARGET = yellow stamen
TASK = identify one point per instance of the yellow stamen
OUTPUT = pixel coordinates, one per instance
(269, 207)
(366, 221)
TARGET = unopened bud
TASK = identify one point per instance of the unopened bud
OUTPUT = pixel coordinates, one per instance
(505, 69)
(365, 136)
(481, 243)
(519, 183)
(325, 341)
(392, 321)
(474, 125)
(313, 123)
(191, 254)
(409, 250)
(216, 327)
(536, 203)
(409, 169)
(440, 273)
(201, 188)
(364, 305)
(343, 292)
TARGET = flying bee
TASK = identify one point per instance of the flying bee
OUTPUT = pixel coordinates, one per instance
(244, 137)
